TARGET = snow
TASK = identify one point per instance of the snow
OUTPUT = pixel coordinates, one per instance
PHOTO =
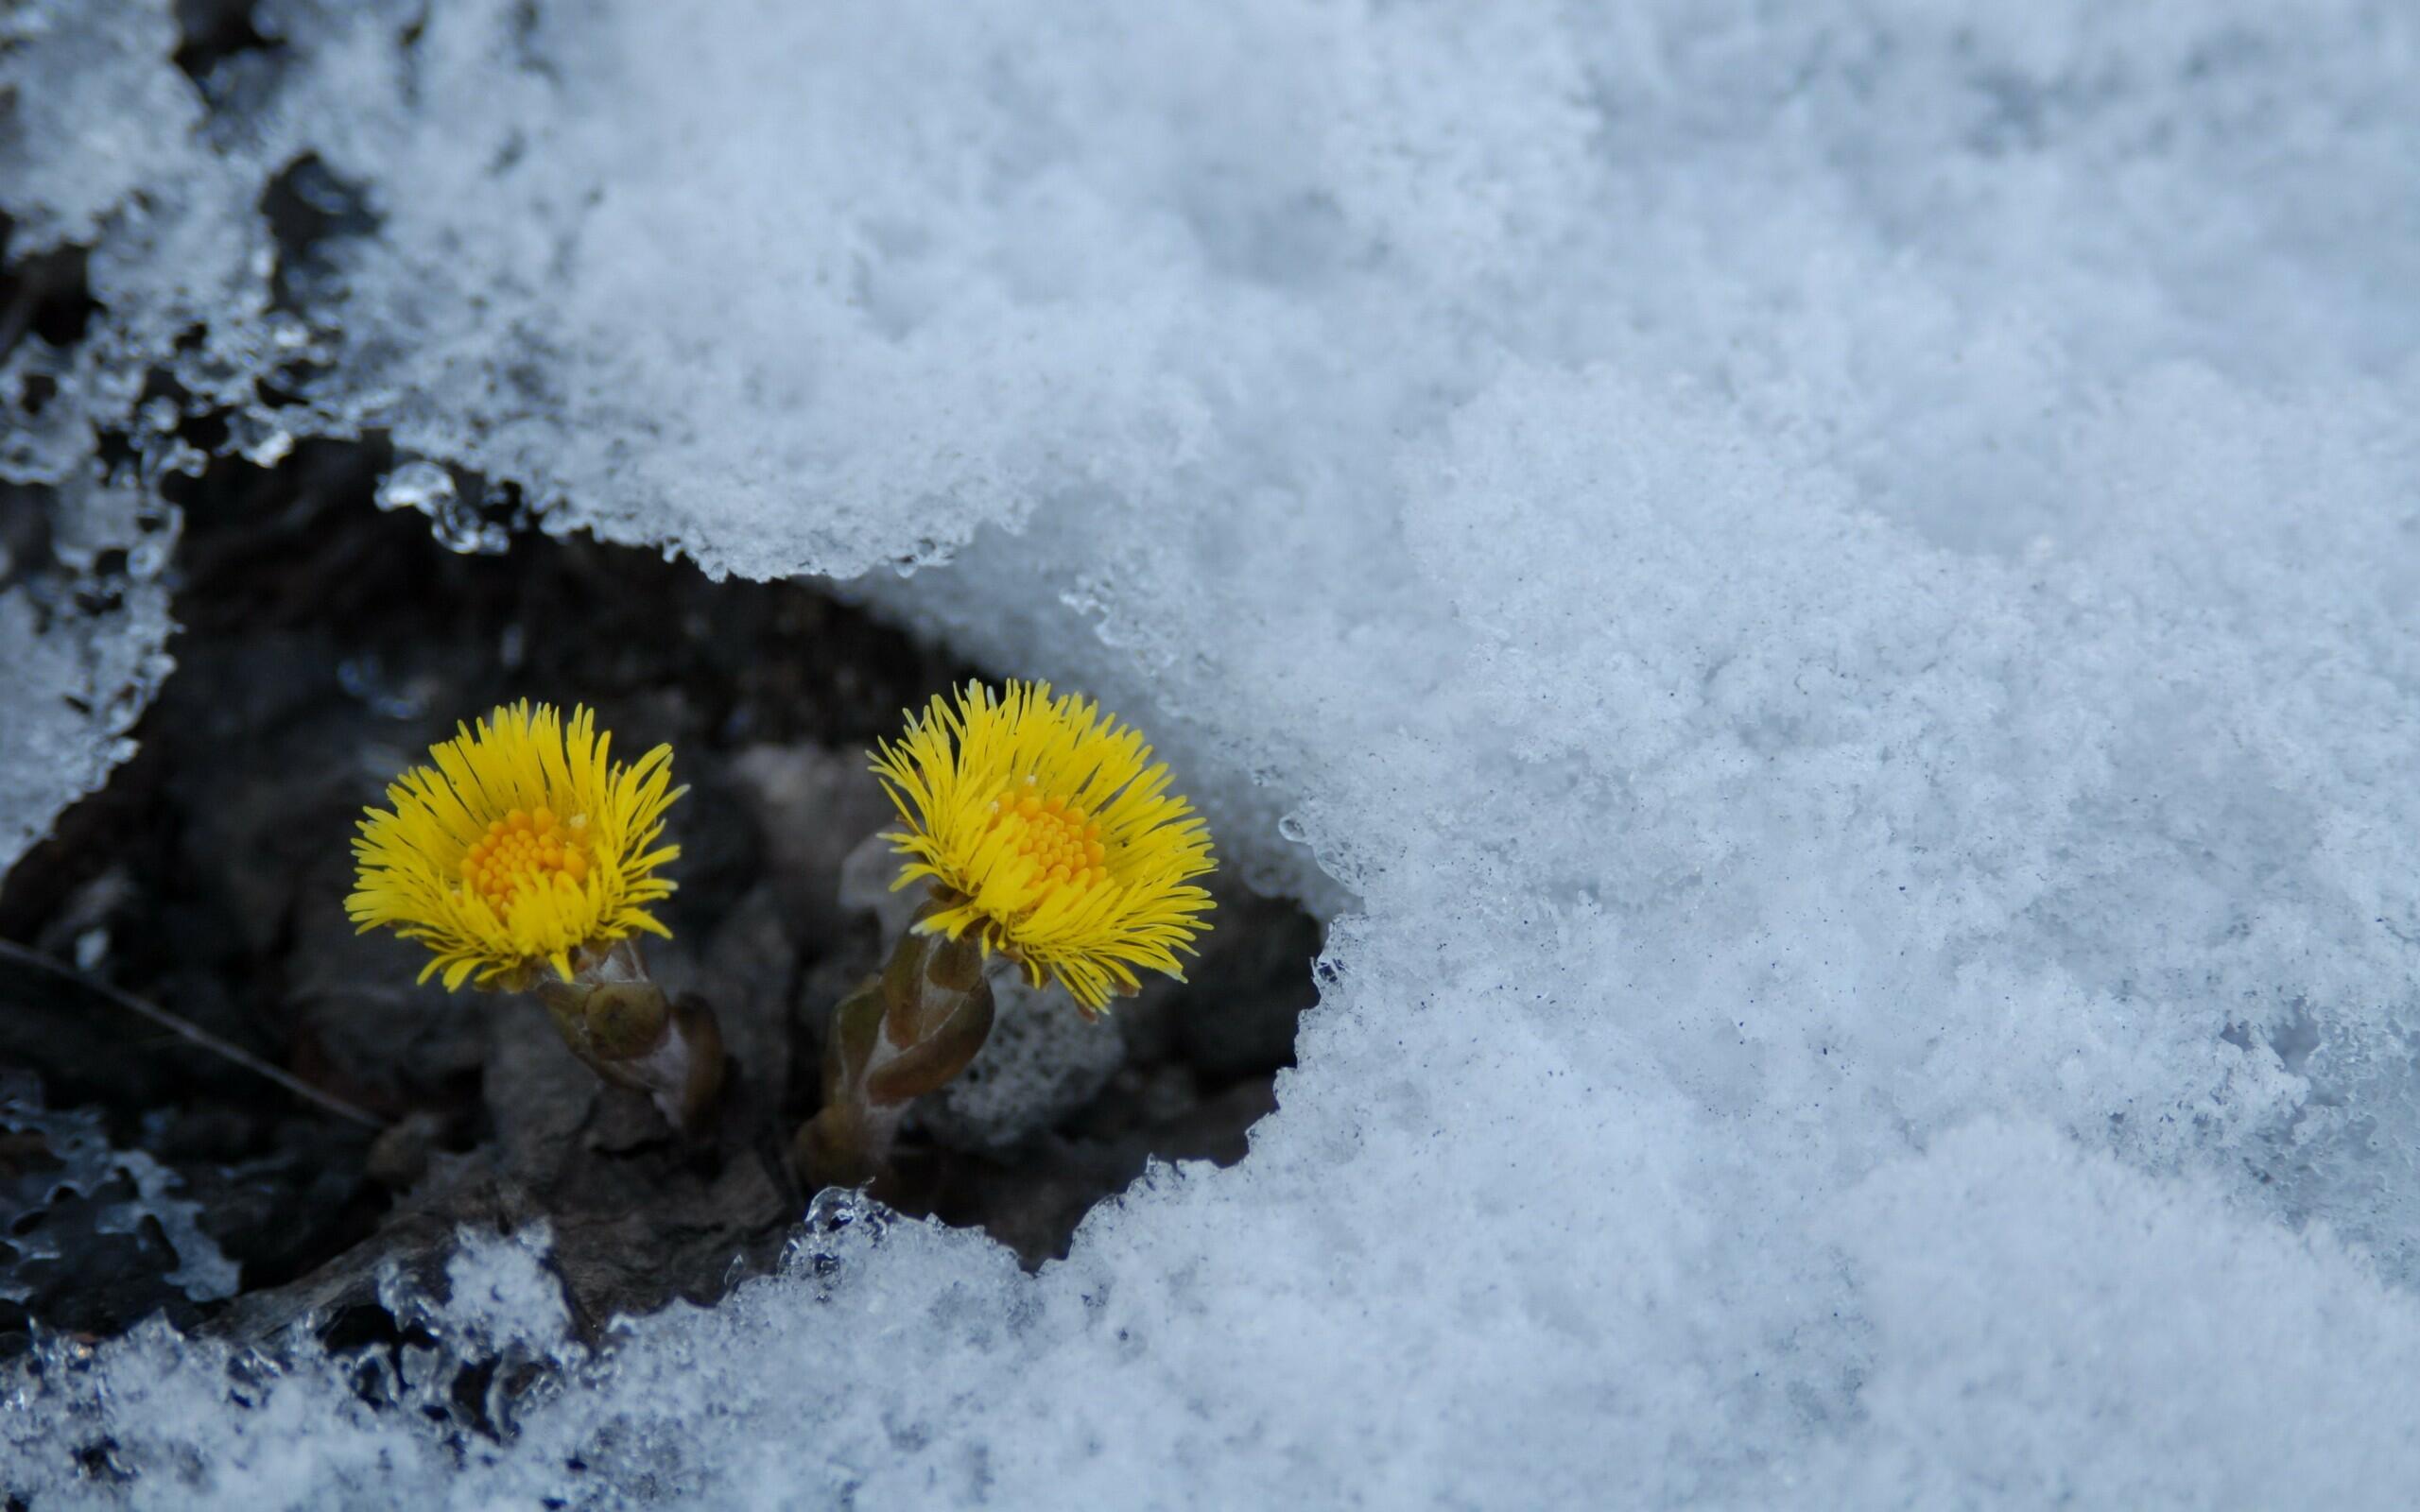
(84, 619)
(1824, 598)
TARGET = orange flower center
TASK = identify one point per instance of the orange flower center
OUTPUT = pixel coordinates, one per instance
(1064, 842)
(523, 852)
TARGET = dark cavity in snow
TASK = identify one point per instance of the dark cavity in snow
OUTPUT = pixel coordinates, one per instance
(325, 643)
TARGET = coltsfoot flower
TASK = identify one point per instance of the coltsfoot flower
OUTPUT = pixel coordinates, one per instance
(1046, 831)
(522, 846)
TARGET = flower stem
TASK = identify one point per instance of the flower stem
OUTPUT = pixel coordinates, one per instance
(904, 1033)
(621, 1025)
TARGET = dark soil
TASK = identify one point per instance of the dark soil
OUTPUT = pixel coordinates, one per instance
(325, 644)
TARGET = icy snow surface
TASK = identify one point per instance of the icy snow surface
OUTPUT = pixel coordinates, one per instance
(1827, 595)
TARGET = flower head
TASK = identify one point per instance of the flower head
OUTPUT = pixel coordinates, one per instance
(518, 848)
(1045, 829)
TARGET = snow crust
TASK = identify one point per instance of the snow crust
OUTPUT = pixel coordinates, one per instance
(1827, 597)
(85, 626)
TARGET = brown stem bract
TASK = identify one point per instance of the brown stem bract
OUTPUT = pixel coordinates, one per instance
(621, 1025)
(905, 1033)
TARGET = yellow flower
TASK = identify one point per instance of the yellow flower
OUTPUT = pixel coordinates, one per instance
(521, 845)
(1045, 829)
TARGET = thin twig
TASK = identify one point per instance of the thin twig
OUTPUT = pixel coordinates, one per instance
(188, 1030)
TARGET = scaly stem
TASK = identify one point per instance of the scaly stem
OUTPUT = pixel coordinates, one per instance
(621, 1026)
(904, 1033)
